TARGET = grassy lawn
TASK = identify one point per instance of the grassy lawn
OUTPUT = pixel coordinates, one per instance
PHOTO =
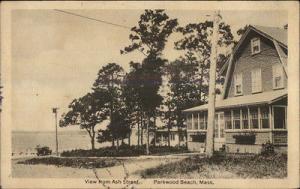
(88, 163)
(233, 166)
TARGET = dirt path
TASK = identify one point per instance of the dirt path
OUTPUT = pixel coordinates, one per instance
(128, 169)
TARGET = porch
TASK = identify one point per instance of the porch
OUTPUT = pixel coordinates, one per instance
(241, 128)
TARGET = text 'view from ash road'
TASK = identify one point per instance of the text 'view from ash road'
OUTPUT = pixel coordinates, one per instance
(157, 94)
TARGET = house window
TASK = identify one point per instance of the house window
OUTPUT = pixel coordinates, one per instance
(195, 123)
(216, 129)
(264, 117)
(254, 118)
(228, 123)
(256, 80)
(236, 119)
(172, 136)
(203, 122)
(279, 117)
(245, 119)
(277, 76)
(189, 122)
(255, 45)
(238, 86)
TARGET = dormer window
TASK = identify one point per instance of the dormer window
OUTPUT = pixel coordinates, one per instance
(255, 45)
(238, 84)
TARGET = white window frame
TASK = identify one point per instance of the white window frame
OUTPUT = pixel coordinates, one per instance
(273, 126)
(233, 120)
(253, 40)
(277, 71)
(202, 119)
(238, 80)
(260, 119)
(256, 81)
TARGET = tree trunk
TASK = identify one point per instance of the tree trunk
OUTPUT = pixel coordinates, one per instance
(142, 132)
(113, 142)
(91, 133)
(169, 133)
(138, 141)
(147, 130)
(93, 143)
(117, 143)
(129, 138)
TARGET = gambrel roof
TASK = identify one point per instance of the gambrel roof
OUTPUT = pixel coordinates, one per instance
(277, 35)
(279, 38)
(272, 33)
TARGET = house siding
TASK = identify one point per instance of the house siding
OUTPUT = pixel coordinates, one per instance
(263, 60)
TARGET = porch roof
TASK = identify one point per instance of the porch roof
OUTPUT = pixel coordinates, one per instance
(259, 98)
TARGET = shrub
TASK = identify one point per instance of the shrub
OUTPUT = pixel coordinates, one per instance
(267, 149)
(124, 150)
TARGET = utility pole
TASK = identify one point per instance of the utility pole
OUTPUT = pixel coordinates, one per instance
(54, 110)
(212, 87)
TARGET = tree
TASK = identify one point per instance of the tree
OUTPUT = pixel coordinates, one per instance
(149, 37)
(110, 78)
(184, 90)
(87, 112)
(132, 100)
(196, 41)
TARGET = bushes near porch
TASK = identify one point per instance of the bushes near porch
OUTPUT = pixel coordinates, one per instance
(229, 166)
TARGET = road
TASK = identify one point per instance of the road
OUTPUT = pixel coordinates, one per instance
(128, 169)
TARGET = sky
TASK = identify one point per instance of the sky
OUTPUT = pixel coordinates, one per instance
(56, 56)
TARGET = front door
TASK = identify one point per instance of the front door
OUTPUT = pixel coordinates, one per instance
(219, 134)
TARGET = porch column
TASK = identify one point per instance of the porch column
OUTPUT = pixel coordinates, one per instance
(232, 119)
(249, 118)
(198, 121)
(270, 124)
(192, 121)
(259, 117)
(241, 119)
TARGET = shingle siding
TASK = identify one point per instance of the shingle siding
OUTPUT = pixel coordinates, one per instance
(247, 62)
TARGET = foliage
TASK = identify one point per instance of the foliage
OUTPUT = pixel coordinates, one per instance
(197, 41)
(110, 78)
(123, 151)
(185, 92)
(43, 151)
(268, 149)
(88, 163)
(149, 37)
(87, 112)
(254, 166)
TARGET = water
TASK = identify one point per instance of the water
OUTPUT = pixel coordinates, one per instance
(25, 142)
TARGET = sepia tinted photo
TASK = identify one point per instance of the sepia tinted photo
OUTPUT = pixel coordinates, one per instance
(152, 95)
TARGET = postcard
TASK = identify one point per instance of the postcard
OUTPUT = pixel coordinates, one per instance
(149, 94)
